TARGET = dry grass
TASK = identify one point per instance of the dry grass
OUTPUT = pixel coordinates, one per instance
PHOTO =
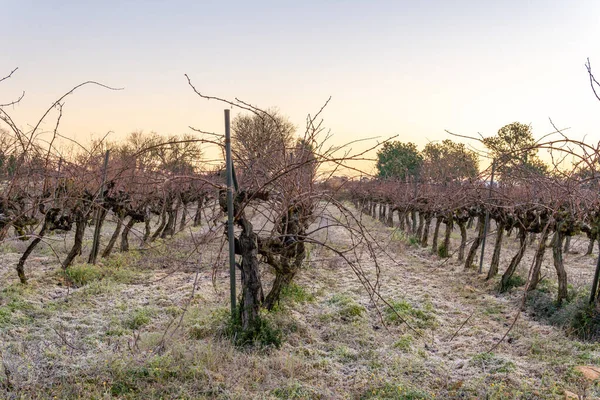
(124, 333)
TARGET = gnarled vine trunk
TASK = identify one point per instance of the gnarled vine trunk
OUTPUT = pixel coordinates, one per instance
(514, 263)
(428, 218)
(198, 215)
(493, 271)
(445, 250)
(32, 245)
(80, 224)
(557, 253)
(125, 235)
(252, 293)
(114, 237)
(476, 242)
(436, 233)
(462, 225)
(420, 226)
(539, 258)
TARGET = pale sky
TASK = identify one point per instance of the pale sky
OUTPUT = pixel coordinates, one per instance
(407, 68)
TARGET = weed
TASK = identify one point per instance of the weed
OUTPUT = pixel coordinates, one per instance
(414, 241)
(137, 319)
(442, 251)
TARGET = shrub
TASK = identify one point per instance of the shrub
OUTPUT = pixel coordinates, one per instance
(585, 323)
(514, 281)
(575, 315)
(442, 251)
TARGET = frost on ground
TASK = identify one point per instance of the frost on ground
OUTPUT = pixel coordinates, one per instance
(148, 324)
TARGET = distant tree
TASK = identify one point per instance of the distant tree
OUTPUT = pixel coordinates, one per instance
(515, 152)
(449, 161)
(261, 143)
(398, 160)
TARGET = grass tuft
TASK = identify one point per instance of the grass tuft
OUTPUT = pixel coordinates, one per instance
(262, 333)
(403, 310)
(137, 319)
(346, 306)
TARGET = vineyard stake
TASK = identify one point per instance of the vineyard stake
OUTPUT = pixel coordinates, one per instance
(230, 236)
(487, 218)
(60, 160)
(96, 242)
(595, 282)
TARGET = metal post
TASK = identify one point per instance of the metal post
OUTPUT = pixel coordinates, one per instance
(60, 160)
(595, 282)
(96, 242)
(487, 218)
(230, 235)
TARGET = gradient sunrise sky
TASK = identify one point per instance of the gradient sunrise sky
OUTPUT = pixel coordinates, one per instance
(407, 68)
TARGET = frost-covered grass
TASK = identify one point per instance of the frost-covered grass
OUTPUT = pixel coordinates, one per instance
(135, 327)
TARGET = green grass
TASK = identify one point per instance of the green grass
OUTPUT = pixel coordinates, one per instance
(491, 363)
(575, 315)
(14, 308)
(346, 306)
(295, 390)
(297, 294)
(138, 318)
(515, 281)
(442, 251)
(119, 268)
(414, 241)
(395, 392)
(82, 274)
(263, 333)
(200, 326)
(404, 343)
(402, 310)
(401, 236)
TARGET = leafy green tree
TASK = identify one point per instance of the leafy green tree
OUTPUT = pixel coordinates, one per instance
(398, 160)
(449, 161)
(515, 152)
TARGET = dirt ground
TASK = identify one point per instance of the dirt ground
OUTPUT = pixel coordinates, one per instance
(148, 324)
